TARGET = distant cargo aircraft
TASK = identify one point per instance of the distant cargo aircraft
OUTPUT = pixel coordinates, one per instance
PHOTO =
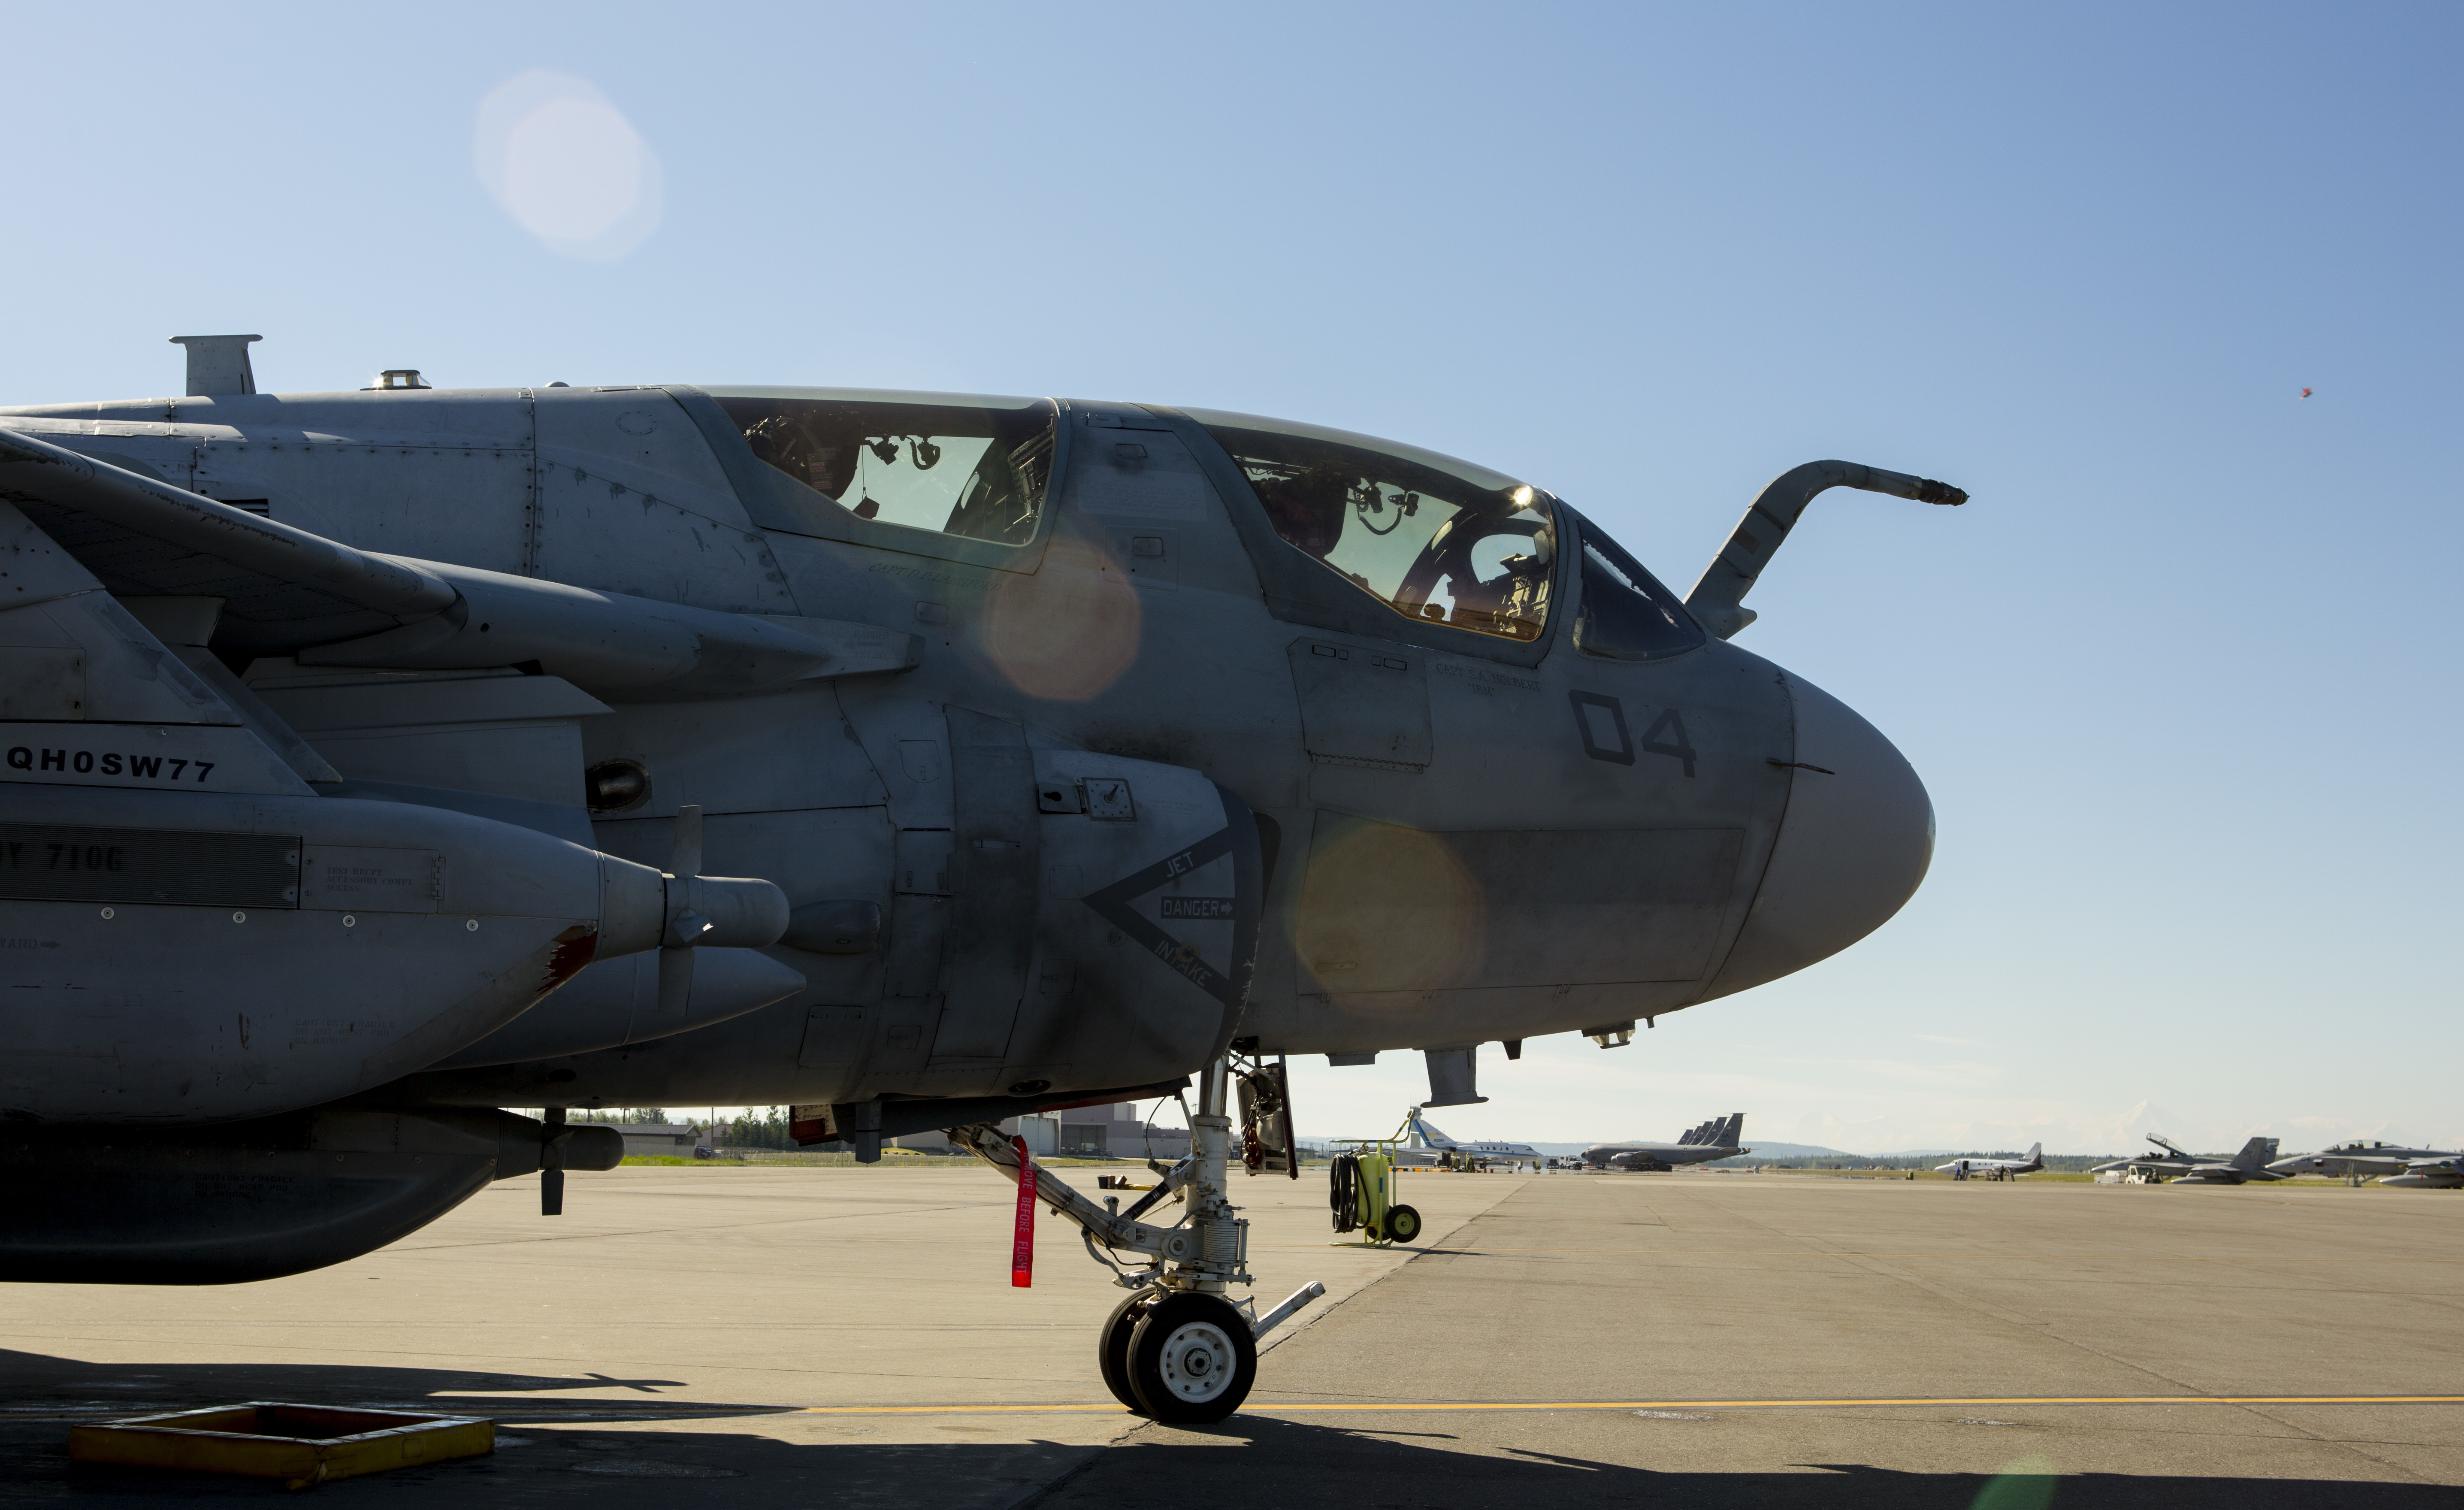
(2029, 1164)
(1437, 1148)
(2361, 1160)
(1717, 1138)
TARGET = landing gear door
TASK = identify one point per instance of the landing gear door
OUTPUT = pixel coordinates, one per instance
(996, 866)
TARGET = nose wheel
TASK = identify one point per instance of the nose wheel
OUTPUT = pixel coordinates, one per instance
(1175, 1350)
(1190, 1358)
(1112, 1347)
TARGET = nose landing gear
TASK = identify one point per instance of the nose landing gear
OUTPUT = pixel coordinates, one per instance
(1186, 1358)
(1176, 1350)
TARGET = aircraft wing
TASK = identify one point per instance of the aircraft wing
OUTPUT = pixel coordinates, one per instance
(286, 591)
(149, 538)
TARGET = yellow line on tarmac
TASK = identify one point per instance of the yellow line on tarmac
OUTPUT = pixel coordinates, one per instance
(1258, 1408)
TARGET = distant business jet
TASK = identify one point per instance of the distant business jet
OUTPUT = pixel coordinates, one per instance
(1971, 1164)
(1427, 1140)
(1720, 1137)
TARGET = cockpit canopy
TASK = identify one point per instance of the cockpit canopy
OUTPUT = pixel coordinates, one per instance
(1434, 538)
(971, 470)
(1431, 537)
(1447, 541)
(1626, 614)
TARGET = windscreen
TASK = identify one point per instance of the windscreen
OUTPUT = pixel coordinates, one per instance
(953, 469)
(1626, 614)
(1433, 543)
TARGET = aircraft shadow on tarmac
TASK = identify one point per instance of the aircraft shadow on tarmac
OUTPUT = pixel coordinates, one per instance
(1302, 1466)
(31, 1379)
(604, 1469)
(1251, 1463)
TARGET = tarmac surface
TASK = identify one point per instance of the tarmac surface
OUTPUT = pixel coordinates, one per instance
(725, 1336)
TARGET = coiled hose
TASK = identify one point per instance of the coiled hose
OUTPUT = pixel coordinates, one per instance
(1344, 1191)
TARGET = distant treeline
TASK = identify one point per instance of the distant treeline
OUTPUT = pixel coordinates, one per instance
(2060, 1162)
(769, 1130)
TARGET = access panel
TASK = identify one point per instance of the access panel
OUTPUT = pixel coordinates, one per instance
(1387, 908)
(1363, 707)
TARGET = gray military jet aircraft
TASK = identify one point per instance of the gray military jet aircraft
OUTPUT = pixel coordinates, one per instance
(2251, 1164)
(2163, 1166)
(2444, 1172)
(2179, 1166)
(1720, 1137)
(363, 756)
(2361, 1160)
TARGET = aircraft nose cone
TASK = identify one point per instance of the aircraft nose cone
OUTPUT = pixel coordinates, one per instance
(1853, 846)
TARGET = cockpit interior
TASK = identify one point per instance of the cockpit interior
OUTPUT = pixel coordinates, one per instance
(977, 473)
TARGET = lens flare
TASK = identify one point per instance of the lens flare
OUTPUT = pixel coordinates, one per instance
(566, 166)
(1066, 630)
(1386, 909)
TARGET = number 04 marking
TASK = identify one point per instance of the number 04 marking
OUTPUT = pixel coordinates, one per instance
(1600, 721)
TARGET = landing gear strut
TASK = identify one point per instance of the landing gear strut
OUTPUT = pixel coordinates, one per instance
(1177, 1349)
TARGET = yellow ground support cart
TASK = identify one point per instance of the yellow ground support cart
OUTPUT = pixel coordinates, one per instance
(1361, 1191)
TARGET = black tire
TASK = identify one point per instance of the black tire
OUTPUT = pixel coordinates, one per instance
(1192, 1359)
(1112, 1347)
(1402, 1224)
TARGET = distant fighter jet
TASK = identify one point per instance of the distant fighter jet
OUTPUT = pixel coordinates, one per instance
(2445, 1172)
(2361, 1160)
(2251, 1164)
(1717, 1138)
(2030, 1164)
(2177, 1164)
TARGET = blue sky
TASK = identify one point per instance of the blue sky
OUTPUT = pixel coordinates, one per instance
(2180, 680)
